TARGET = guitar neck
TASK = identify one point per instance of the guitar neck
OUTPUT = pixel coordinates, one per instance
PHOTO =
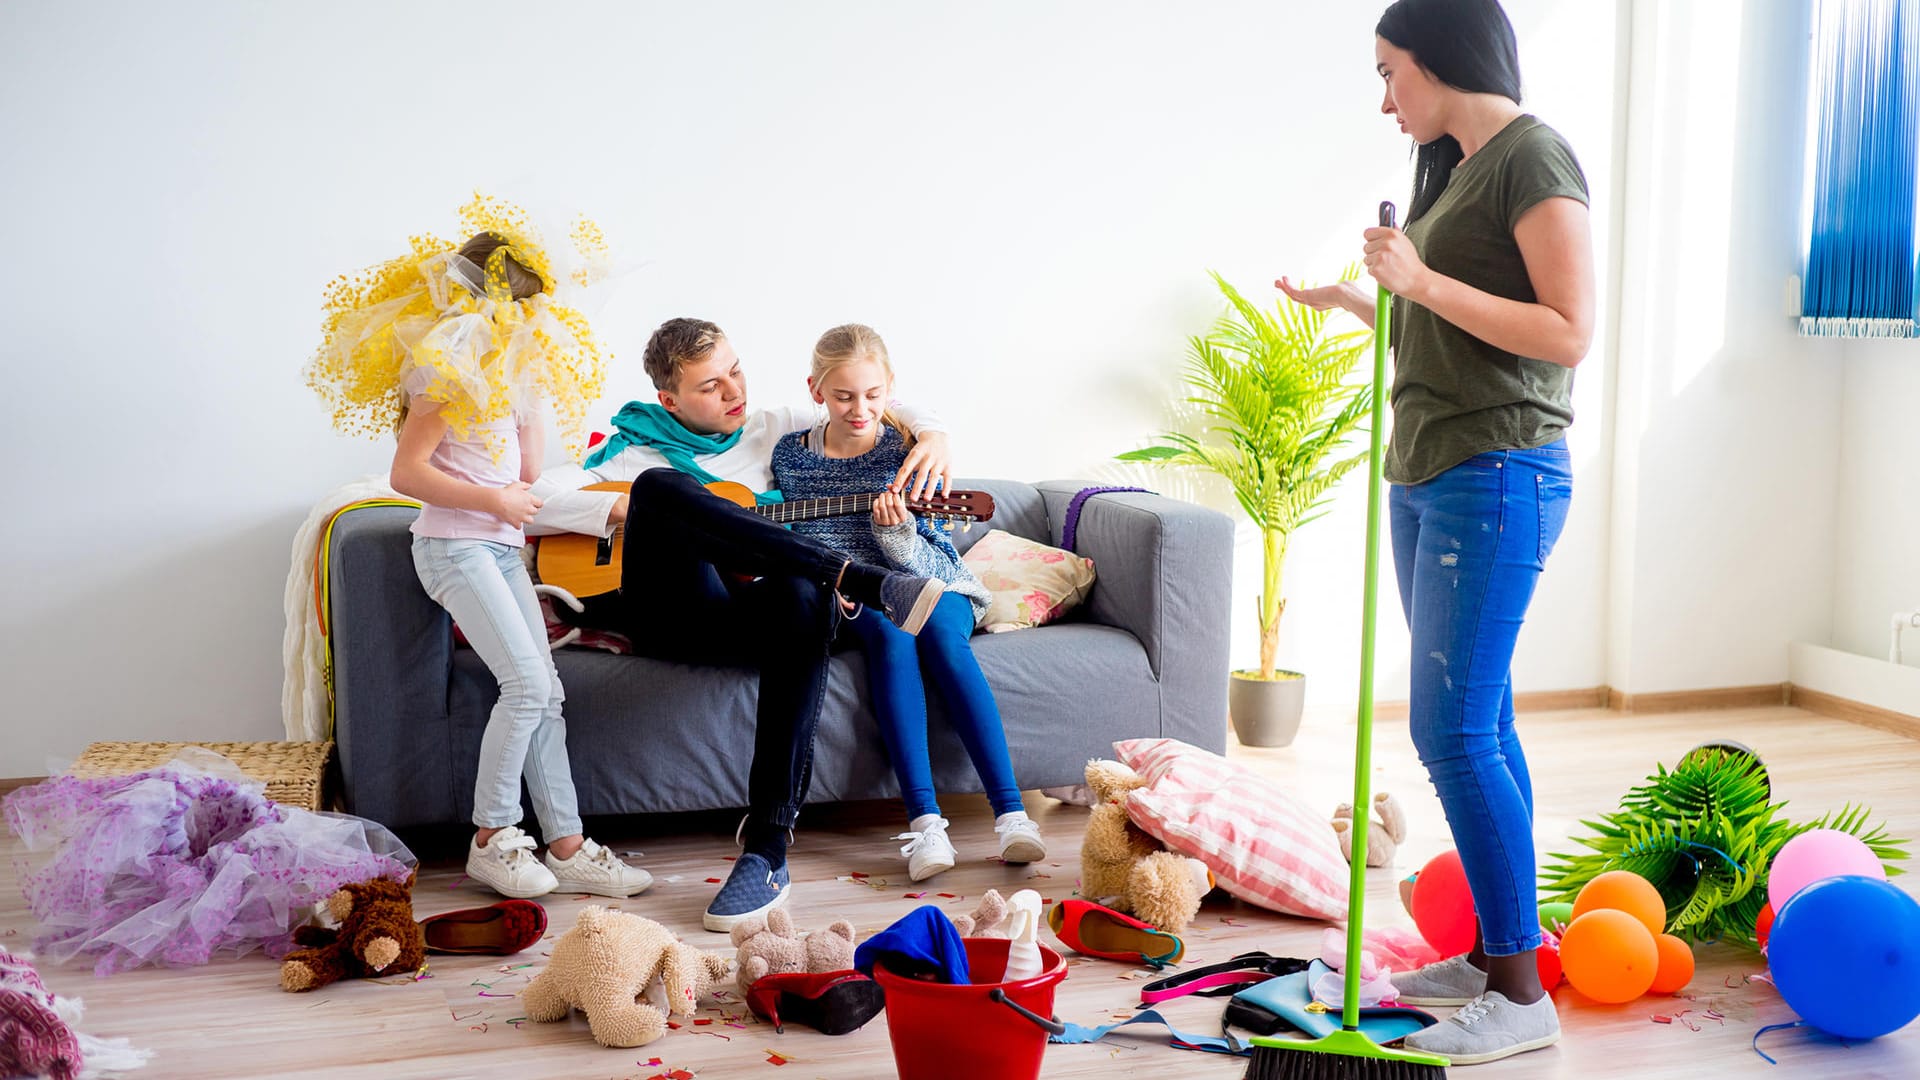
(809, 509)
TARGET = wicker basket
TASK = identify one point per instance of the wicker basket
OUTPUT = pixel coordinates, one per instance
(294, 772)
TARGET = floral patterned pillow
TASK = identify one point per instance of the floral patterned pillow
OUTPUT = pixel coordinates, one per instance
(1032, 584)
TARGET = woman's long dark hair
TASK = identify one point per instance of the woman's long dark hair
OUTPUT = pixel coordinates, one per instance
(1466, 44)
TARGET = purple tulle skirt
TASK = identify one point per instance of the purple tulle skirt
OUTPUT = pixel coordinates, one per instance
(177, 864)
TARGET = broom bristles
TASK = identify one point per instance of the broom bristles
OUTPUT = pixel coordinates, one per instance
(1343, 1055)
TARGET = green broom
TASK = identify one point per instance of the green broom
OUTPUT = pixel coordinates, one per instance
(1347, 1054)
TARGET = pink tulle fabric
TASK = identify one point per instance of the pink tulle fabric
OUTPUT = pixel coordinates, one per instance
(184, 862)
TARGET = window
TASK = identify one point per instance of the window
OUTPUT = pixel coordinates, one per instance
(1863, 159)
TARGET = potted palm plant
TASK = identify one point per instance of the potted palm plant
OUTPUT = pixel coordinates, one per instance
(1704, 833)
(1277, 393)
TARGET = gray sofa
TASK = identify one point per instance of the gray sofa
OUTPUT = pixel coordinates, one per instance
(1145, 656)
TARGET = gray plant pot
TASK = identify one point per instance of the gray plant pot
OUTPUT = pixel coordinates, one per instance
(1266, 713)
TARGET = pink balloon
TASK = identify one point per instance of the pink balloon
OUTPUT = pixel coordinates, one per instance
(1820, 853)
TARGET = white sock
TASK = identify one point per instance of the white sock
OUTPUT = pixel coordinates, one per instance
(923, 823)
(1009, 818)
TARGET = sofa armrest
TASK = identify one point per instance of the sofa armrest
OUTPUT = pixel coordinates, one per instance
(1165, 575)
(392, 660)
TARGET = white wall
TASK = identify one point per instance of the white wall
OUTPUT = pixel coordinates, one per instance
(1877, 571)
(1024, 198)
(1727, 438)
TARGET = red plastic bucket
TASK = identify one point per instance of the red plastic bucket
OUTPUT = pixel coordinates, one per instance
(945, 1032)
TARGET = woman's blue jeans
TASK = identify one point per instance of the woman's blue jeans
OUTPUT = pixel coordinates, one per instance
(1468, 547)
(902, 668)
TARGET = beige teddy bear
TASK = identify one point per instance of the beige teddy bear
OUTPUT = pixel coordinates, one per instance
(607, 963)
(1126, 869)
(1386, 829)
(771, 946)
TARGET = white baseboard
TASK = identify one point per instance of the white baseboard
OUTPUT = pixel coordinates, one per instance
(1866, 679)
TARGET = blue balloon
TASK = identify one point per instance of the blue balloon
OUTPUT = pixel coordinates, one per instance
(1845, 954)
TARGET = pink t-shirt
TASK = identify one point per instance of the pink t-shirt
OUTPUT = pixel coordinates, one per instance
(472, 460)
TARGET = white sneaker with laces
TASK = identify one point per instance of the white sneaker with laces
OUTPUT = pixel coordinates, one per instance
(1489, 1028)
(597, 870)
(1020, 840)
(928, 849)
(507, 866)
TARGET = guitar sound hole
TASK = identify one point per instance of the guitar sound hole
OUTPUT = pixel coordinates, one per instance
(603, 551)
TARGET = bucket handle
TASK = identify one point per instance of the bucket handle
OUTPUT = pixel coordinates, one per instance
(1051, 1027)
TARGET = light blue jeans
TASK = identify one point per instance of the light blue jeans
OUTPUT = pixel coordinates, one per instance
(485, 587)
(1468, 547)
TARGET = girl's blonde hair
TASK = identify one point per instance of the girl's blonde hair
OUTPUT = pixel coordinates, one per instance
(848, 344)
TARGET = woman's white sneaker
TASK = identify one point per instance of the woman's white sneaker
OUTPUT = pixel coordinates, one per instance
(1489, 1028)
(507, 866)
(597, 870)
(1020, 840)
(928, 849)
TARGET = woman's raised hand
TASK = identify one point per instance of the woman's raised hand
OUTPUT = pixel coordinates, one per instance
(1320, 297)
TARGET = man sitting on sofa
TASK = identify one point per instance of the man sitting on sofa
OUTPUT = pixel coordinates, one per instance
(682, 597)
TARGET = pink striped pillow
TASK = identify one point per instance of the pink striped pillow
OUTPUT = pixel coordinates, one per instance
(1263, 845)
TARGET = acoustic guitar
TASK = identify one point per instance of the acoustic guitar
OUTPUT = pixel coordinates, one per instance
(590, 565)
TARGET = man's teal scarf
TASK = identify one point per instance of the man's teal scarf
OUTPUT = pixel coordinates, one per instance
(651, 426)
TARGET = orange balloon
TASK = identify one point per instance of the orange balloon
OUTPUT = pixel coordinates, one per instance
(1609, 956)
(1763, 926)
(1624, 890)
(1676, 965)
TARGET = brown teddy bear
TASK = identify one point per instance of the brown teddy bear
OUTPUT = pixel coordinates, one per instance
(376, 935)
(1126, 869)
(608, 963)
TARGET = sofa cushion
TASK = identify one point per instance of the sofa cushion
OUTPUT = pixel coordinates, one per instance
(1032, 584)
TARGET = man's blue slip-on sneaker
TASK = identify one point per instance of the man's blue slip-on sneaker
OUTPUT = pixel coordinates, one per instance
(754, 888)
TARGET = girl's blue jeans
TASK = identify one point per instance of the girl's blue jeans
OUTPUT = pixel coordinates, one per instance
(1468, 548)
(902, 668)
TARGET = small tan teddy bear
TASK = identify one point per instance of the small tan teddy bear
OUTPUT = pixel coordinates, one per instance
(771, 946)
(1126, 869)
(608, 963)
(1386, 829)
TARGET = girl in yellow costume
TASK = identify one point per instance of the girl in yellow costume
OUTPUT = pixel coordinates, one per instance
(458, 350)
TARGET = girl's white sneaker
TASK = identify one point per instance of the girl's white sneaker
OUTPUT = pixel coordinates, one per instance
(1020, 840)
(928, 849)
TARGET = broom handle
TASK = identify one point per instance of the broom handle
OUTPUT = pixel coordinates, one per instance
(1363, 749)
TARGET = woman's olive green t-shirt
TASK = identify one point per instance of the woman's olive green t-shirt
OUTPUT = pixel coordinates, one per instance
(1454, 395)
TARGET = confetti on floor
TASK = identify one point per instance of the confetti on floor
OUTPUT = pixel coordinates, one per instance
(776, 1058)
(913, 895)
(713, 881)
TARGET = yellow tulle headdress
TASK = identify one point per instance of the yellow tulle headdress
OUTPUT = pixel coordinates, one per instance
(433, 324)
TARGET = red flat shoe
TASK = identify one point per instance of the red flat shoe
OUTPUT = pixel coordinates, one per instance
(500, 929)
(1089, 928)
(830, 1002)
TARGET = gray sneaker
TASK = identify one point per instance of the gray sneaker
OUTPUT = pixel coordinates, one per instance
(1452, 981)
(1489, 1028)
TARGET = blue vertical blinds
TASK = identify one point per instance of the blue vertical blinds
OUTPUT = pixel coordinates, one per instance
(1860, 267)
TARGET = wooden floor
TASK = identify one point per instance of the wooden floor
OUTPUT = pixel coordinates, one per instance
(231, 1020)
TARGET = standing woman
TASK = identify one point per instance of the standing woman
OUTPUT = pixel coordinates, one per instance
(1493, 280)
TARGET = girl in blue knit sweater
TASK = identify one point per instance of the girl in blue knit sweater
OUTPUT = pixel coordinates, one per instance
(855, 451)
